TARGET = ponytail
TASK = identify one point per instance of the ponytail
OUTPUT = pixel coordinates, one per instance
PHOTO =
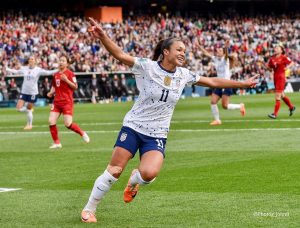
(157, 50)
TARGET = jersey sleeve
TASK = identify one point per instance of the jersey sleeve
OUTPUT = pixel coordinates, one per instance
(72, 77)
(271, 63)
(287, 60)
(191, 77)
(20, 71)
(140, 65)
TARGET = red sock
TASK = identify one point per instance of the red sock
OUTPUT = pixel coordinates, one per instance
(287, 102)
(74, 127)
(54, 134)
(277, 107)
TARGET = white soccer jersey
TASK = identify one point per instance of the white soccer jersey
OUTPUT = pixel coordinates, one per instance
(222, 67)
(31, 77)
(160, 91)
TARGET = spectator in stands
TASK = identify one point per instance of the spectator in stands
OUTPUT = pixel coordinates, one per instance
(104, 88)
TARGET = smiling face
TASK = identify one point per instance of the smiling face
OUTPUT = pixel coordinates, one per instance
(175, 55)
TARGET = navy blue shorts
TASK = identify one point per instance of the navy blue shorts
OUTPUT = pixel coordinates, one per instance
(132, 141)
(28, 98)
(221, 92)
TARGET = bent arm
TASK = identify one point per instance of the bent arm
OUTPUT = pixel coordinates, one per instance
(206, 53)
(110, 46)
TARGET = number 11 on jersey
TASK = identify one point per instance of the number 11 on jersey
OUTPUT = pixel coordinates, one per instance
(164, 96)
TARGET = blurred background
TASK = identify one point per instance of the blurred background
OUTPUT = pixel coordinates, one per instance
(48, 29)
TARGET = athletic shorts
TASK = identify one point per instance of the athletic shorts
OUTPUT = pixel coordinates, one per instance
(65, 108)
(279, 84)
(221, 92)
(28, 98)
(132, 141)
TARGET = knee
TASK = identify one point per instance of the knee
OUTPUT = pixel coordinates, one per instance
(148, 175)
(51, 121)
(68, 124)
(225, 106)
(115, 170)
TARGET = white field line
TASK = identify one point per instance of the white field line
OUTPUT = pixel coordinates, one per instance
(175, 130)
(9, 189)
(172, 122)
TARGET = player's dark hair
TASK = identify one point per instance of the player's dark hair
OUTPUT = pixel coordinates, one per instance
(162, 45)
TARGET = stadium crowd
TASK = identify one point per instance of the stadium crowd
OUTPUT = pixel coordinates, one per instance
(49, 36)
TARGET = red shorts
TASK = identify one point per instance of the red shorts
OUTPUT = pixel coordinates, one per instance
(65, 108)
(279, 84)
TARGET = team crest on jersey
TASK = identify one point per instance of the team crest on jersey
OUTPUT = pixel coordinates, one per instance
(167, 80)
(57, 82)
(123, 137)
(177, 83)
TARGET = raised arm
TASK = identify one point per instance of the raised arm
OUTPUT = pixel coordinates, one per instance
(224, 83)
(110, 46)
(206, 53)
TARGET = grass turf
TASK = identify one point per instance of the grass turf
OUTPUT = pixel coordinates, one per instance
(244, 173)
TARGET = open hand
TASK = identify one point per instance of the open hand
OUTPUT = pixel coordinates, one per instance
(251, 82)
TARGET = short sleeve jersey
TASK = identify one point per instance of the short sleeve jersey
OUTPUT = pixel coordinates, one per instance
(31, 77)
(63, 92)
(160, 91)
(278, 64)
(222, 67)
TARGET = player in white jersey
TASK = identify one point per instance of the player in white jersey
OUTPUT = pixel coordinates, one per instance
(146, 125)
(222, 65)
(29, 91)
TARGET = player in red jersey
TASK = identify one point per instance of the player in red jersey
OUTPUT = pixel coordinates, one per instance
(63, 85)
(279, 62)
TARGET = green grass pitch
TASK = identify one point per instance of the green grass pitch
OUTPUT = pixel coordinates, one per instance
(244, 173)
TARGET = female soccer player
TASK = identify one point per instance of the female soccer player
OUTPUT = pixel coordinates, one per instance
(278, 63)
(29, 91)
(146, 125)
(63, 85)
(222, 65)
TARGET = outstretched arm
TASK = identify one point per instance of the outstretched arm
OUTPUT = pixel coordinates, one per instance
(206, 53)
(48, 72)
(110, 46)
(224, 83)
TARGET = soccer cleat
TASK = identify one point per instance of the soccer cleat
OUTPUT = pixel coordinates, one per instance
(130, 191)
(28, 127)
(88, 217)
(292, 110)
(216, 122)
(272, 116)
(243, 109)
(85, 137)
(55, 146)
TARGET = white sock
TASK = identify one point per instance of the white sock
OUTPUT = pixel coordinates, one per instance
(29, 117)
(233, 106)
(102, 185)
(136, 178)
(215, 111)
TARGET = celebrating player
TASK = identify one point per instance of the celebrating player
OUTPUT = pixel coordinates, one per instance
(63, 85)
(278, 63)
(145, 127)
(29, 91)
(222, 65)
